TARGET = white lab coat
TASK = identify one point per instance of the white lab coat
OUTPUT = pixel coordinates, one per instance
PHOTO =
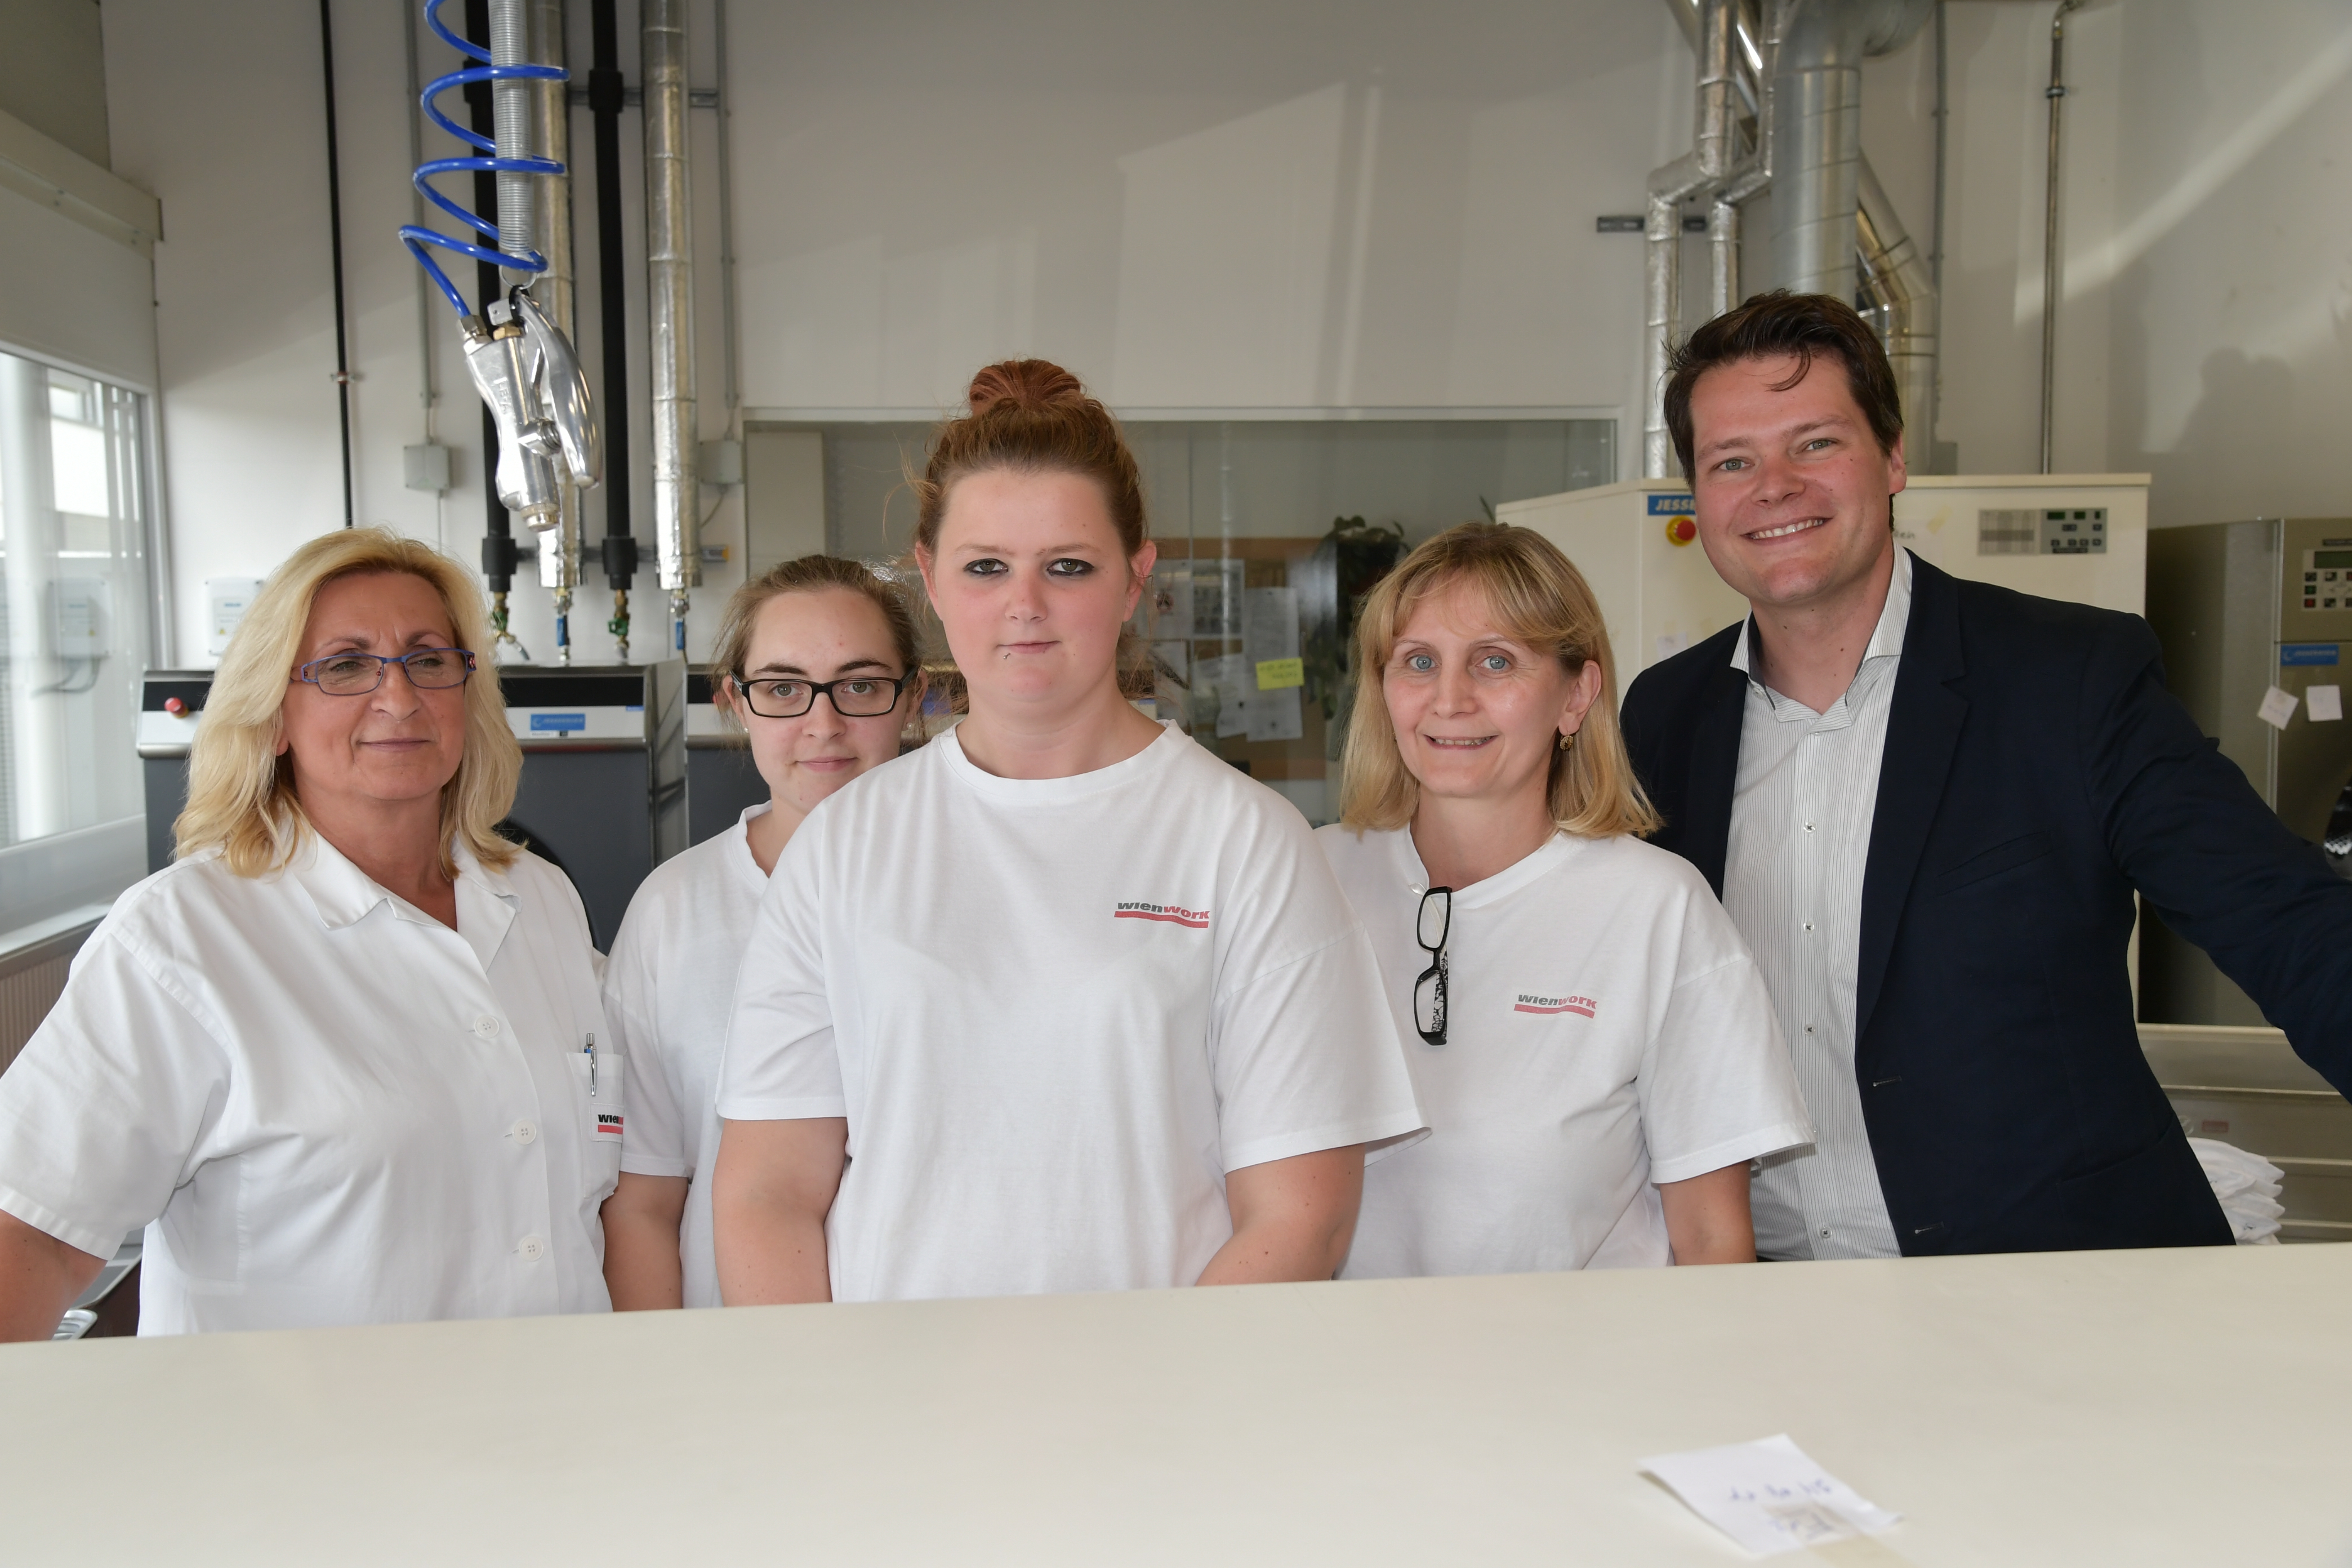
(332, 1108)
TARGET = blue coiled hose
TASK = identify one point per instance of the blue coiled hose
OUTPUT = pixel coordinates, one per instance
(417, 237)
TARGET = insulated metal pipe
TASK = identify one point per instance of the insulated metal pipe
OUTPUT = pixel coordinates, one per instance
(559, 548)
(1713, 138)
(512, 113)
(670, 298)
(1817, 109)
(1902, 294)
(1723, 256)
(1661, 234)
(1715, 135)
(2053, 260)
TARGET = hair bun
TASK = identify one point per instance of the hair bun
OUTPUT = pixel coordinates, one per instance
(1028, 385)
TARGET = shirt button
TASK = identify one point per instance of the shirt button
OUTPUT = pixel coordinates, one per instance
(1825, 1233)
(1808, 1028)
(486, 1026)
(1809, 925)
(1809, 828)
(523, 1132)
(530, 1249)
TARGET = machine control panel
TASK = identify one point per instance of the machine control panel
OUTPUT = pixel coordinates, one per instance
(2327, 576)
(2041, 531)
(2315, 568)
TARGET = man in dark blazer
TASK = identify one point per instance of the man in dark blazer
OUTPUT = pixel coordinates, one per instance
(1929, 821)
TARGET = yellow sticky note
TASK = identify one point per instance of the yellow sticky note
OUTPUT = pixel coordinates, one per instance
(1280, 673)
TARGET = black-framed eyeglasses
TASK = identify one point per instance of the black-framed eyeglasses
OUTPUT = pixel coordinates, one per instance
(357, 674)
(1430, 928)
(853, 696)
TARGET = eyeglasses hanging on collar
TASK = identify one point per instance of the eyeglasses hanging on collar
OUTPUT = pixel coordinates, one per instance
(1430, 928)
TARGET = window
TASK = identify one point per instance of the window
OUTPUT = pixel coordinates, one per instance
(74, 511)
(1270, 532)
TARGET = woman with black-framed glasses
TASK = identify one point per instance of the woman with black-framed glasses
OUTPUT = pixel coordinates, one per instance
(346, 1058)
(1589, 1036)
(823, 675)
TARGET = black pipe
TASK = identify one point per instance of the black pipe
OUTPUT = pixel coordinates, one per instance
(499, 554)
(605, 94)
(335, 232)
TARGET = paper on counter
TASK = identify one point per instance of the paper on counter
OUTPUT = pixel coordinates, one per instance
(2323, 704)
(2277, 708)
(1768, 1495)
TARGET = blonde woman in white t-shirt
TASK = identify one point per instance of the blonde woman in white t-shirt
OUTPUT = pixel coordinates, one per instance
(819, 661)
(1061, 1001)
(1586, 1032)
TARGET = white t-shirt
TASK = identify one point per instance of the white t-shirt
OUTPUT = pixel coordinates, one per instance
(332, 1108)
(1056, 1012)
(668, 988)
(1605, 1031)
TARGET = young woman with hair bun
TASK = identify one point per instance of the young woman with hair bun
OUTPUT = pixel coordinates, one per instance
(1061, 1002)
(818, 660)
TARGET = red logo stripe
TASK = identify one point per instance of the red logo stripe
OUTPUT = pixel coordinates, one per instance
(1201, 924)
(1563, 1007)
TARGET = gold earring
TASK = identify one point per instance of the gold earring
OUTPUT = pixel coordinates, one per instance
(1568, 742)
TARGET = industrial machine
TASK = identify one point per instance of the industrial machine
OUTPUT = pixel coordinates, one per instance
(2063, 536)
(603, 792)
(2243, 610)
(720, 780)
(170, 702)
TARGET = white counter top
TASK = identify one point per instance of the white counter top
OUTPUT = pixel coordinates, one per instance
(2135, 1407)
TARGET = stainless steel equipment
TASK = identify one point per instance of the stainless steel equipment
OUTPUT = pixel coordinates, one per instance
(720, 780)
(603, 792)
(2241, 607)
(169, 703)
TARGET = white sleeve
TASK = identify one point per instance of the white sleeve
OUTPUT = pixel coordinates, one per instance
(103, 1114)
(1307, 1051)
(654, 1141)
(1715, 1083)
(780, 1064)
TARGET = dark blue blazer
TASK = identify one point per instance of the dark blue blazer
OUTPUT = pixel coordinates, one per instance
(2036, 772)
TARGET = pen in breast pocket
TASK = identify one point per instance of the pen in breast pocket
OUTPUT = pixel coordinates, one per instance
(589, 1050)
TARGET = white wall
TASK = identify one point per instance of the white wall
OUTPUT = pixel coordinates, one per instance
(1207, 206)
(1222, 206)
(2205, 330)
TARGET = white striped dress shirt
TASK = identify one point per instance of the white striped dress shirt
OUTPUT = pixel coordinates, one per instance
(1801, 816)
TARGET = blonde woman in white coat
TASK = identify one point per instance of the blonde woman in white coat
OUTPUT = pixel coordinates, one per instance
(336, 1058)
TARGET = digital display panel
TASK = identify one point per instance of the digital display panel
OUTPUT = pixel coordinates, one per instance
(2327, 558)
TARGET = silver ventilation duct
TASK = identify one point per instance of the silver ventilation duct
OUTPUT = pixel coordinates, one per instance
(1817, 118)
(1705, 168)
(669, 305)
(1796, 65)
(1901, 303)
(559, 549)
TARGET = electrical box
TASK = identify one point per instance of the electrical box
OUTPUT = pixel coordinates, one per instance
(425, 467)
(2082, 537)
(226, 602)
(79, 611)
(719, 463)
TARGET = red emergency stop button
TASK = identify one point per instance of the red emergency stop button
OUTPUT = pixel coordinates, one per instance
(1681, 531)
(174, 707)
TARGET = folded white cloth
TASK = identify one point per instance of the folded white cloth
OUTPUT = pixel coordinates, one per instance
(2247, 1186)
